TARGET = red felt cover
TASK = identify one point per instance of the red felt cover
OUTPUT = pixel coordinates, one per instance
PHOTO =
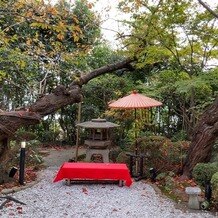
(94, 171)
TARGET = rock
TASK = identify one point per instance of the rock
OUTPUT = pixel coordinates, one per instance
(193, 202)
(7, 191)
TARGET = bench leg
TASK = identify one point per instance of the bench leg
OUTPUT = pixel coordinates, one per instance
(121, 183)
(68, 182)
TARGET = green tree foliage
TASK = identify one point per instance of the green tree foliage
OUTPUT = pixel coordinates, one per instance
(18, 78)
(43, 29)
(171, 31)
(42, 46)
(175, 88)
(181, 38)
(41, 33)
(37, 39)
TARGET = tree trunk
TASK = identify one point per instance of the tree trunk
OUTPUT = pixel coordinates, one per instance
(204, 136)
(4, 154)
(61, 96)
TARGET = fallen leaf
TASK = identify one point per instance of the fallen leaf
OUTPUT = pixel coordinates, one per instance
(9, 204)
(84, 190)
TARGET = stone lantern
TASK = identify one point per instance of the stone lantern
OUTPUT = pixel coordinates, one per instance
(99, 139)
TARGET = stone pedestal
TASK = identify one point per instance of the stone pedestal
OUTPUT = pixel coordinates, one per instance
(103, 152)
(193, 202)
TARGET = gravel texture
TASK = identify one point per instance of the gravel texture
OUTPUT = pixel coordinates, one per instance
(56, 200)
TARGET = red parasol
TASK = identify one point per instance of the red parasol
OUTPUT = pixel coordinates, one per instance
(135, 101)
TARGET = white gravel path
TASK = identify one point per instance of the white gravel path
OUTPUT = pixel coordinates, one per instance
(56, 200)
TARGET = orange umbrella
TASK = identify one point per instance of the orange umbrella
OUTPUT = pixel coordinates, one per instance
(135, 101)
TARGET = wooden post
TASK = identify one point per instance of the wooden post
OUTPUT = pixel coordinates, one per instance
(77, 130)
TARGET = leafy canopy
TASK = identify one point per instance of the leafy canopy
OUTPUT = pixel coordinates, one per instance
(169, 31)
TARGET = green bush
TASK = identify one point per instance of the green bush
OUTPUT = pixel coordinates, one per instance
(26, 135)
(203, 172)
(49, 136)
(161, 153)
(122, 158)
(214, 183)
(114, 154)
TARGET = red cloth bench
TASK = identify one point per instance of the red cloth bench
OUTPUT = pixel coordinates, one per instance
(94, 171)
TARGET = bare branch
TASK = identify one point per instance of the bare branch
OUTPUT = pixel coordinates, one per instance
(208, 8)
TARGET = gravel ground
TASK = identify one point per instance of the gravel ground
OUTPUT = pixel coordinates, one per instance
(56, 200)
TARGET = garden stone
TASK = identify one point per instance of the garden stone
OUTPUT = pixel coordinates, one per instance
(7, 191)
(193, 192)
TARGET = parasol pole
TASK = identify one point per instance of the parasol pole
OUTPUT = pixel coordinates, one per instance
(136, 145)
(77, 130)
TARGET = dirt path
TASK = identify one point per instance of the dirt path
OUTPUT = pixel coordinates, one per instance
(57, 157)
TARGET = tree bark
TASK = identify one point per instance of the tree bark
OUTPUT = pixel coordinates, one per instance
(61, 96)
(49, 103)
(11, 121)
(204, 136)
(105, 69)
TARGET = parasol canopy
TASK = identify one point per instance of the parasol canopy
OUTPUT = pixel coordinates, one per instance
(134, 101)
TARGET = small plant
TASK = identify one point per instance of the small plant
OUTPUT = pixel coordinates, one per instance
(49, 136)
(214, 183)
(122, 158)
(114, 154)
(26, 135)
(203, 172)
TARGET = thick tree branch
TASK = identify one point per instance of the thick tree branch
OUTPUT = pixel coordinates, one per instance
(60, 97)
(46, 104)
(11, 121)
(102, 70)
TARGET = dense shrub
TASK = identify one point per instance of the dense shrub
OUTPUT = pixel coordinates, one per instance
(161, 153)
(203, 172)
(214, 155)
(26, 135)
(49, 136)
(214, 183)
(122, 158)
(114, 153)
